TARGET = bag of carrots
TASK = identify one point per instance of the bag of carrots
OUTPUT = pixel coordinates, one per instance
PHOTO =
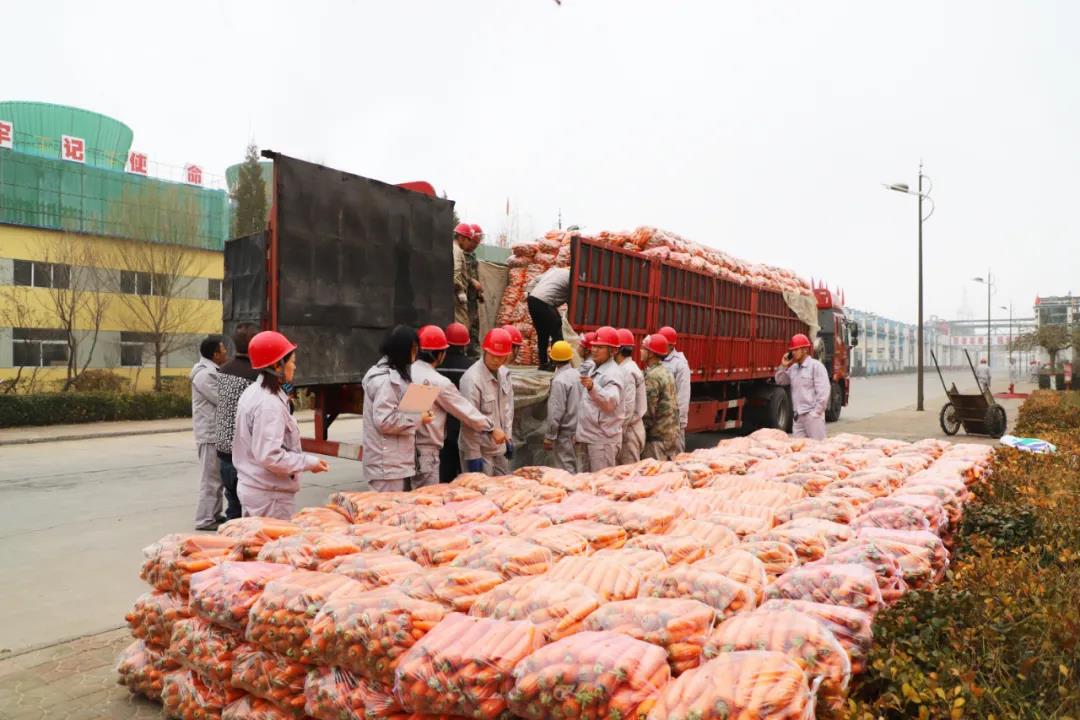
(373, 569)
(950, 499)
(762, 512)
(939, 555)
(812, 481)
(171, 561)
(717, 591)
(741, 525)
(280, 619)
(308, 549)
(225, 593)
(807, 542)
(560, 540)
(608, 578)
(270, 677)
(836, 511)
(477, 480)
(599, 536)
(799, 636)
(367, 632)
(931, 508)
(680, 627)
(676, 548)
(254, 532)
(464, 667)
(777, 557)
(571, 483)
(515, 500)
(853, 586)
(471, 511)
(454, 588)
(321, 519)
(366, 506)
(740, 566)
(576, 506)
(641, 517)
(443, 494)
(715, 537)
(510, 557)
(142, 669)
(255, 708)
(695, 504)
(752, 685)
(913, 562)
(186, 697)
(856, 496)
(205, 648)
(641, 487)
(646, 562)
(890, 576)
(433, 548)
(894, 518)
(335, 694)
(153, 616)
(373, 536)
(415, 518)
(591, 676)
(558, 608)
(852, 628)
(876, 485)
(521, 523)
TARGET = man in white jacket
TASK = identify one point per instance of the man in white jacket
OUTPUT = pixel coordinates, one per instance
(600, 415)
(564, 397)
(487, 386)
(633, 441)
(204, 399)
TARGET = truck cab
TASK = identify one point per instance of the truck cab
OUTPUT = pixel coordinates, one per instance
(836, 336)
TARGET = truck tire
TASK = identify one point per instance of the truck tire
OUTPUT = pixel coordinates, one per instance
(836, 403)
(778, 411)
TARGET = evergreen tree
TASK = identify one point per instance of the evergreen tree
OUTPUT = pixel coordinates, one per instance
(251, 209)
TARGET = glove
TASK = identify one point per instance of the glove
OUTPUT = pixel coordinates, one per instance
(475, 466)
(509, 449)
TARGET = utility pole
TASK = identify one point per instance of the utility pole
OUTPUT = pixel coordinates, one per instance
(919, 368)
(989, 347)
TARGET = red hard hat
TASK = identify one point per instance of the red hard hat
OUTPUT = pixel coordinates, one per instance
(657, 344)
(606, 336)
(432, 338)
(516, 338)
(457, 334)
(625, 337)
(267, 348)
(588, 339)
(477, 232)
(669, 334)
(465, 230)
(799, 341)
(497, 342)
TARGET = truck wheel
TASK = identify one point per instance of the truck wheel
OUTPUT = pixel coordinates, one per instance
(950, 423)
(778, 409)
(836, 403)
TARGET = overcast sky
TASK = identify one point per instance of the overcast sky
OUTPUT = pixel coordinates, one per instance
(762, 128)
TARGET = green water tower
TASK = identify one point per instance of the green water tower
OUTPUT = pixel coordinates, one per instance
(39, 128)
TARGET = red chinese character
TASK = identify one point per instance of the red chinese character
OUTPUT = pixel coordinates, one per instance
(7, 132)
(74, 149)
(194, 174)
(137, 163)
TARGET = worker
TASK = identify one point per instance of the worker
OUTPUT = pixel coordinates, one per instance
(982, 374)
(661, 419)
(551, 291)
(633, 440)
(389, 435)
(585, 345)
(564, 397)
(487, 385)
(600, 415)
(204, 400)
(430, 438)
(235, 376)
(453, 367)
(266, 439)
(517, 341)
(467, 290)
(680, 370)
(810, 388)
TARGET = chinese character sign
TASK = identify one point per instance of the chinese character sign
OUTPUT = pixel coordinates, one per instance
(73, 149)
(194, 174)
(137, 163)
(7, 134)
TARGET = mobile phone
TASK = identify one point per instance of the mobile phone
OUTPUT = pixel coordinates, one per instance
(586, 368)
(788, 355)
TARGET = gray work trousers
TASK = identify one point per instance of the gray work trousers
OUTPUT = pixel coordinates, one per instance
(601, 457)
(427, 467)
(566, 455)
(494, 465)
(633, 441)
(809, 426)
(264, 503)
(210, 487)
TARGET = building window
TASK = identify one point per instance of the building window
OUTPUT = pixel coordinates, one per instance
(38, 348)
(138, 283)
(133, 348)
(215, 290)
(42, 274)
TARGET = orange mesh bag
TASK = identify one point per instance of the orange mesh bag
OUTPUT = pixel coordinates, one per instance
(853, 628)
(717, 591)
(939, 555)
(510, 557)
(465, 667)
(778, 557)
(740, 566)
(186, 697)
(335, 694)
(676, 548)
(558, 608)
(141, 669)
(321, 519)
(838, 511)
(599, 536)
(560, 540)
(592, 676)
(367, 632)
(225, 593)
(372, 570)
(308, 550)
(208, 650)
(853, 586)
(434, 548)
(270, 677)
(251, 533)
(453, 588)
(607, 577)
(753, 685)
(153, 616)
(646, 562)
(715, 537)
(171, 561)
(799, 636)
(372, 536)
(741, 525)
(280, 619)
(681, 627)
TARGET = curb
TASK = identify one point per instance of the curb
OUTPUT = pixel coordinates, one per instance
(34, 440)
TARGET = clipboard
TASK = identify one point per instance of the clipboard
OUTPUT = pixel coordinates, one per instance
(418, 399)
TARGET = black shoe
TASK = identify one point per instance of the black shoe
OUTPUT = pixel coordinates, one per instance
(221, 519)
(212, 527)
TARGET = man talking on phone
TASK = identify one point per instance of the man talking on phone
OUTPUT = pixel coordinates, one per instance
(809, 381)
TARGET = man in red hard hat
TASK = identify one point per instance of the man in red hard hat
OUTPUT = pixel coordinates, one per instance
(467, 290)
(453, 367)
(600, 414)
(487, 385)
(662, 407)
(809, 381)
(634, 401)
(676, 362)
(585, 345)
(430, 438)
(517, 340)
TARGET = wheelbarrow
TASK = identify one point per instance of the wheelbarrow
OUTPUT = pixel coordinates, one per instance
(978, 413)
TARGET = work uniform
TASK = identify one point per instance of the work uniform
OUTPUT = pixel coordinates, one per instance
(661, 418)
(267, 455)
(204, 399)
(430, 438)
(551, 291)
(564, 399)
(680, 371)
(633, 440)
(809, 381)
(234, 378)
(600, 417)
(982, 375)
(453, 367)
(493, 394)
(466, 299)
(389, 435)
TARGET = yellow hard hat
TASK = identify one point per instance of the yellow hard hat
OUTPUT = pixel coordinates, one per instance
(561, 351)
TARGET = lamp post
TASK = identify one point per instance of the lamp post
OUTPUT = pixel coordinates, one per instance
(902, 187)
(989, 282)
(1010, 309)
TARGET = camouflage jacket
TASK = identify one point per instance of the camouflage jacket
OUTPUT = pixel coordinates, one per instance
(662, 414)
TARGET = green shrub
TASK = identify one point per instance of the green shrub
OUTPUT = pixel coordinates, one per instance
(81, 407)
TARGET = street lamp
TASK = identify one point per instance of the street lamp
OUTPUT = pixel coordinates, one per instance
(989, 282)
(903, 188)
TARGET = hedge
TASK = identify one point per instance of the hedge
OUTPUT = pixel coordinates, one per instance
(83, 407)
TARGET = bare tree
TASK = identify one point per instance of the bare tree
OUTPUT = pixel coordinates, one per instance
(1051, 338)
(17, 310)
(158, 267)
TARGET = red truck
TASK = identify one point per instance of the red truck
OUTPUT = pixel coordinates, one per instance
(733, 335)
